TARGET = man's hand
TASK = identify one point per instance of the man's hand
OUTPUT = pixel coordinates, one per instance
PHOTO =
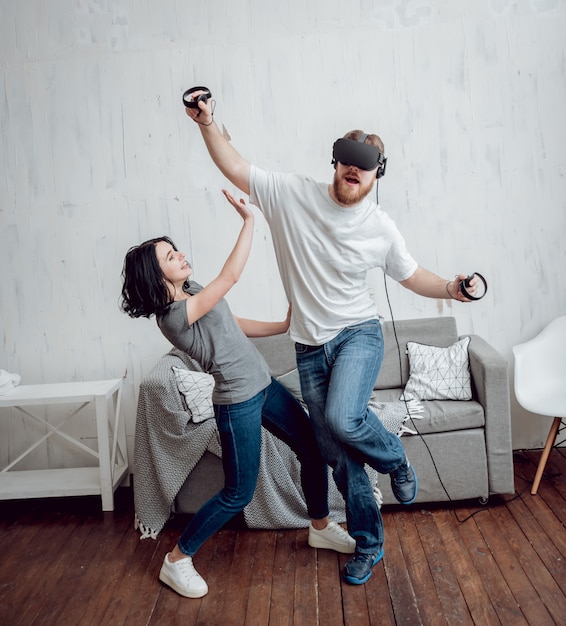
(204, 111)
(453, 288)
(228, 160)
(426, 283)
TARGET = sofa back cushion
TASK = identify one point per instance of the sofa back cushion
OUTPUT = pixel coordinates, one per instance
(432, 331)
(278, 351)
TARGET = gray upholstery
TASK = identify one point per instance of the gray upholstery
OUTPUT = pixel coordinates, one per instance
(463, 449)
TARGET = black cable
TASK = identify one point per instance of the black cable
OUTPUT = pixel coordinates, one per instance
(413, 422)
(516, 495)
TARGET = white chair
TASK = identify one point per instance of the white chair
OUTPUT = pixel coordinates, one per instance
(540, 381)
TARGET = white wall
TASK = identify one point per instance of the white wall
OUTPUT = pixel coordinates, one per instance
(97, 155)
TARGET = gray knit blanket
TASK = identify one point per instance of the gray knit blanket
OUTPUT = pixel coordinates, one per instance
(168, 446)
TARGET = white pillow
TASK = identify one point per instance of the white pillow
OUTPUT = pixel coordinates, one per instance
(197, 388)
(438, 373)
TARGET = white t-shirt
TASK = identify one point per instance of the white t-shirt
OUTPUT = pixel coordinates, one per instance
(324, 252)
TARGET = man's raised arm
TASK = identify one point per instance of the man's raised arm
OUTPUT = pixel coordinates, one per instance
(228, 160)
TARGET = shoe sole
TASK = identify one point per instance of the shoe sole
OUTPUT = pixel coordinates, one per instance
(180, 590)
(361, 581)
(318, 542)
(407, 502)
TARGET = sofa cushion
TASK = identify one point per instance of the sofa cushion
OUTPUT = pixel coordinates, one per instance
(434, 331)
(438, 373)
(278, 351)
(439, 416)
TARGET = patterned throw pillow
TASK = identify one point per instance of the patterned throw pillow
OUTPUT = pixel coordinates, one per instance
(196, 388)
(438, 373)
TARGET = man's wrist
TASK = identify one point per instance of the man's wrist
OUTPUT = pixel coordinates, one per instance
(205, 124)
(448, 291)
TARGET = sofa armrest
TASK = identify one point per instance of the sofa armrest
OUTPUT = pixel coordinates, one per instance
(167, 444)
(490, 379)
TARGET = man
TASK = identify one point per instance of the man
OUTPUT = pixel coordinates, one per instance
(326, 238)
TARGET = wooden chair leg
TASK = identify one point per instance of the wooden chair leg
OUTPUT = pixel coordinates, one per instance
(545, 453)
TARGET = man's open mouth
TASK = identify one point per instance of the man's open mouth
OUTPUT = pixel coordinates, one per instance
(351, 180)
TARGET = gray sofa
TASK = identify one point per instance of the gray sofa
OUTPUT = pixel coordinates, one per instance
(462, 450)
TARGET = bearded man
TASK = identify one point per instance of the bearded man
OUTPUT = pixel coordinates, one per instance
(326, 238)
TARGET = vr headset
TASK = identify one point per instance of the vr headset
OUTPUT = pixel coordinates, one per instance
(360, 154)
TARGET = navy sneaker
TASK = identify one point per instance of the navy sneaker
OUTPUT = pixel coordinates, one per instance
(404, 483)
(357, 570)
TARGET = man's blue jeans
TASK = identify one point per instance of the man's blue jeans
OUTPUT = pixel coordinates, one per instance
(337, 380)
(239, 426)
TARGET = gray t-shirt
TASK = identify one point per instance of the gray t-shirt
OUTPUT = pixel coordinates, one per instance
(219, 346)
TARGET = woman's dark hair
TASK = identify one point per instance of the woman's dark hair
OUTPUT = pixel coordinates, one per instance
(144, 292)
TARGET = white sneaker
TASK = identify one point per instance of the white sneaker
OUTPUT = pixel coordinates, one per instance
(183, 577)
(333, 537)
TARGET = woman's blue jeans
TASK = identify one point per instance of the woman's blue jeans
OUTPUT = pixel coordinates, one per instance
(337, 380)
(239, 426)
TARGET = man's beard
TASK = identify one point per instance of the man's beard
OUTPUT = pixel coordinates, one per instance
(347, 195)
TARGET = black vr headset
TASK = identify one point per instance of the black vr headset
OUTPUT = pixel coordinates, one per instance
(360, 154)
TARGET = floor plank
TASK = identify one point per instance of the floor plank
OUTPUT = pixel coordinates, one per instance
(418, 567)
(403, 596)
(450, 596)
(470, 580)
(261, 583)
(496, 585)
(283, 589)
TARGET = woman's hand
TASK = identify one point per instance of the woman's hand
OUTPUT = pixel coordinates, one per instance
(255, 328)
(241, 206)
(287, 321)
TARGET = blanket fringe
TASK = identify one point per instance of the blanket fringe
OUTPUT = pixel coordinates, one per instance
(145, 531)
(377, 495)
(414, 407)
(394, 415)
(405, 429)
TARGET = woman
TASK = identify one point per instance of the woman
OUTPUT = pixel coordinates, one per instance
(198, 320)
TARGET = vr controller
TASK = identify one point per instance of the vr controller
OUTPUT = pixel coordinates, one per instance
(193, 104)
(466, 283)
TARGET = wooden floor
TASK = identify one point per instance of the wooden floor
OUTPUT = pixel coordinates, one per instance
(64, 562)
